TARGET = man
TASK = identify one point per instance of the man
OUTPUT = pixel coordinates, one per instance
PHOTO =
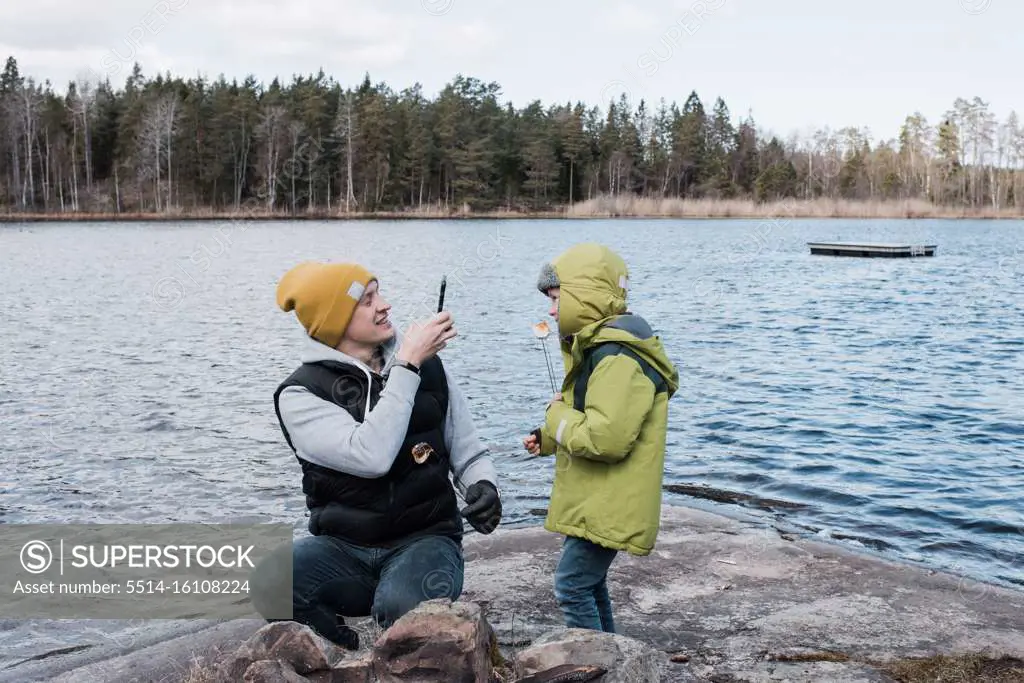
(607, 433)
(377, 425)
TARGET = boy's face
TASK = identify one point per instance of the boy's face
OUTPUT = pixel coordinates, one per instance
(553, 295)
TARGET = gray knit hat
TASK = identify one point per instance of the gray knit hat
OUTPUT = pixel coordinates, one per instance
(548, 278)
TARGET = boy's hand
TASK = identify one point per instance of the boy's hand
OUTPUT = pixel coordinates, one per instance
(558, 397)
(532, 442)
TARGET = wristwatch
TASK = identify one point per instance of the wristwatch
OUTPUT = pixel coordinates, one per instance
(406, 364)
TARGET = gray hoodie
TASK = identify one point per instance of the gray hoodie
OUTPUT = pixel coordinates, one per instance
(326, 434)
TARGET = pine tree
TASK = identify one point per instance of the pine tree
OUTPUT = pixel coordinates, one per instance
(721, 144)
(161, 143)
(689, 147)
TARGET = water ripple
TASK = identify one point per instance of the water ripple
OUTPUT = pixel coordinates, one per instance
(875, 402)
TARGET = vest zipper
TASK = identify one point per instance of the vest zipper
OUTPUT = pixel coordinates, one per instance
(391, 503)
(391, 484)
(369, 392)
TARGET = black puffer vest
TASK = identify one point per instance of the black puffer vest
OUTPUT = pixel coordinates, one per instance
(411, 499)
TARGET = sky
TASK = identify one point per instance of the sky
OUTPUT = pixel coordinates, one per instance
(794, 65)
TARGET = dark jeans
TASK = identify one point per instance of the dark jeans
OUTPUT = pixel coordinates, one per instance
(331, 577)
(581, 586)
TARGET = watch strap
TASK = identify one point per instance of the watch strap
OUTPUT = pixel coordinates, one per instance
(406, 364)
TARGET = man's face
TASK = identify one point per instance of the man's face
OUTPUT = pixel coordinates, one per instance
(553, 295)
(371, 324)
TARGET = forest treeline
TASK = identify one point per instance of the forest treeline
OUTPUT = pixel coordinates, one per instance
(171, 145)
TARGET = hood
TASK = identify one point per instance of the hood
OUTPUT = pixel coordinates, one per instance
(313, 351)
(593, 280)
(635, 333)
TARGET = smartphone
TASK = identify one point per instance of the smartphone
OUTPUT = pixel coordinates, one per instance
(440, 300)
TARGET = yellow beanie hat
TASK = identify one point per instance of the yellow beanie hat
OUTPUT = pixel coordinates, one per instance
(323, 296)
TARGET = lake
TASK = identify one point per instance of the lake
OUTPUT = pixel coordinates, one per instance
(877, 403)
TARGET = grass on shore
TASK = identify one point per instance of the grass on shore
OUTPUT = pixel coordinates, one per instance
(973, 667)
(620, 207)
(600, 207)
(963, 668)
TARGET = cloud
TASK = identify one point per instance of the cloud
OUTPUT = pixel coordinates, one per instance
(57, 38)
(626, 17)
(463, 38)
(302, 20)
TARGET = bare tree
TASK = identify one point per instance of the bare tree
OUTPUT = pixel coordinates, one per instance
(74, 161)
(270, 131)
(295, 131)
(345, 127)
(313, 152)
(84, 110)
(828, 158)
(168, 117)
(979, 125)
(49, 165)
(999, 187)
(914, 153)
(1016, 144)
(28, 100)
(156, 143)
(240, 155)
(148, 154)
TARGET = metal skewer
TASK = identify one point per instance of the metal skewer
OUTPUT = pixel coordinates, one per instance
(541, 333)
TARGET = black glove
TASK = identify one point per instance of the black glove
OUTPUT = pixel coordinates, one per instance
(483, 509)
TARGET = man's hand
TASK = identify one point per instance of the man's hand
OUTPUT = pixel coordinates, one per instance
(557, 397)
(423, 340)
(483, 509)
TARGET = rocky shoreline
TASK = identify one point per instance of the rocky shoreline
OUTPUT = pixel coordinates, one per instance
(438, 641)
(720, 599)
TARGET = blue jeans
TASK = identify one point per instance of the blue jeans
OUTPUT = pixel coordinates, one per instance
(581, 585)
(332, 578)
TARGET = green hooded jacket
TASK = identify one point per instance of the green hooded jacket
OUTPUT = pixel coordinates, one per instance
(608, 432)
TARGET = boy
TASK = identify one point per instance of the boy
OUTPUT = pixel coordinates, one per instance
(606, 429)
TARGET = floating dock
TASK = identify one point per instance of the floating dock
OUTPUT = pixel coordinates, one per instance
(871, 250)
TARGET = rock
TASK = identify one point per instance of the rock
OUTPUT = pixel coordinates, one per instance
(520, 632)
(271, 671)
(437, 641)
(564, 673)
(293, 643)
(232, 667)
(627, 660)
(351, 671)
(833, 672)
(804, 654)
